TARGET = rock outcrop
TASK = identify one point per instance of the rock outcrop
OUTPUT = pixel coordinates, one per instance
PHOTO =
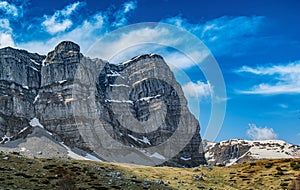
(137, 103)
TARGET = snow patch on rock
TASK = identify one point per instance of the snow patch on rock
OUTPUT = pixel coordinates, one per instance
(35, 123)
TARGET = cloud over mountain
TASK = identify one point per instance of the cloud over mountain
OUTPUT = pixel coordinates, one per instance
(261, 133)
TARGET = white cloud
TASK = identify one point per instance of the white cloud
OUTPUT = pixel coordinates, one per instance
(85, 34)
(179, 61)
(120, 16)
(261, 133)
(52, 26)
(199, 89)
(6, 40)
(60, 20)
(9, 9)
(285, 78)
(89, 27)
(196, 93)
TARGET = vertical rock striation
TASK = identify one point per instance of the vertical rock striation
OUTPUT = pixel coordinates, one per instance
(138, 102)
(20, 79)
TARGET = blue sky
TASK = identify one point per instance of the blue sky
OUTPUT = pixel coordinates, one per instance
(255, 43)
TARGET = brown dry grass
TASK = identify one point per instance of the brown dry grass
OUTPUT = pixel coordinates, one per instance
(261, 174)
(20, 172)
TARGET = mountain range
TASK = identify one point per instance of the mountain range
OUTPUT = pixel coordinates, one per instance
(66, 105)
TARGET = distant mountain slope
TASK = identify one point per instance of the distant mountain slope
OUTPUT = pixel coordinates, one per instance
(238, 151)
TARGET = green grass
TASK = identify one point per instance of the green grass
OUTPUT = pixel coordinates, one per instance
(18, 172)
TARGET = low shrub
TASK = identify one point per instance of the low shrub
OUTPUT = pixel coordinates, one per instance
(269, 165)
(295, 165)
(280, 173)
(66, 183)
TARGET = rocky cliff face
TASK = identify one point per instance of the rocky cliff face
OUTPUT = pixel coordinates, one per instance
(20, 79)
(137, 103)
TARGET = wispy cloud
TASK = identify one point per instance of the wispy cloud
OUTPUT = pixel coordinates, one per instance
(153, 38)
(129, 6)
(5, 26)
(8, 9)
(60, 20)
(284, 106)
(279, 79)
(222, 35)
(68, 10)
(261, 133)
(120, 15)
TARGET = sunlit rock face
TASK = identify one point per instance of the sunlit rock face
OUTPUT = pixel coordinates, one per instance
(138, 104)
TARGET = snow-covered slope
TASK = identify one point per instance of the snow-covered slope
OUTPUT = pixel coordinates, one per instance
(237, 151)
(35, 141)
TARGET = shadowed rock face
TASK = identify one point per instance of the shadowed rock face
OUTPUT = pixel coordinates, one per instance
(19, 83)
(67, 92)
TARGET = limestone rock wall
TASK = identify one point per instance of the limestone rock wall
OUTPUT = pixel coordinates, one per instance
(138, 102)
(19, 83)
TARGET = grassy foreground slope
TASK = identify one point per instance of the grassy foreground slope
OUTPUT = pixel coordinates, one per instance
(261, 174)
(18, 172)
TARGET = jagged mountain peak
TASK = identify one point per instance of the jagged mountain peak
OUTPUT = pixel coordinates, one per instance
(65, 51)
(67, 46)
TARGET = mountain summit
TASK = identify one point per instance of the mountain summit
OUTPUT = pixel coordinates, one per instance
(121, 113)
